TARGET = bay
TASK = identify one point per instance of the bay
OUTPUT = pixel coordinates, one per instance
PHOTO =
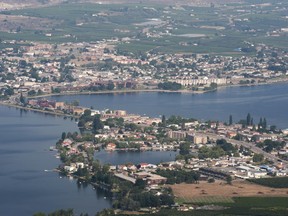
(269, 101)
(25, 138)
(153, 157)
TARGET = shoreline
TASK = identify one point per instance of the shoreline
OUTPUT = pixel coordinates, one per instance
(183, 91)
(37, 110)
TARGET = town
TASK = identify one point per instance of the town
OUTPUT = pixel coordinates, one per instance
(56, 47)
(208, 152)
(38, 69)
(54, 64)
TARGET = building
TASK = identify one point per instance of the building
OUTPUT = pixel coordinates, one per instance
(197, 138)
(120, 112)
(177, 134)
(111, 147)
(151, 179)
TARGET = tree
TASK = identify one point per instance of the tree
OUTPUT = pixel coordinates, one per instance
(229, 179)
(39, 214)
(248, 119)
(260, 124)
(258, 158)
(63, 136)
(110, 86)
(97, 123)
(184, 148)
(32, 92)
(170, 86)
(75, 103)
(140, 183)
(87, 112)
(211, 180)
(163, 120)
(22, 99)
(264, 125)
(230, 120)
(273, 128)
(9, 91)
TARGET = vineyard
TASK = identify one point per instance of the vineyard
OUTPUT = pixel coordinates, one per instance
(280, 182)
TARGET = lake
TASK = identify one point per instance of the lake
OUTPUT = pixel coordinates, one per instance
(25, 138)
(270, 101)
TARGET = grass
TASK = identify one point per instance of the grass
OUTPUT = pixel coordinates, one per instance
(124, 17)
(260, 202)
(278, 182)
(205, 200)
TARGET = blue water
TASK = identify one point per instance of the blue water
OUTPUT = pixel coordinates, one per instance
(270, 101)
(25, 138)
(153, 157)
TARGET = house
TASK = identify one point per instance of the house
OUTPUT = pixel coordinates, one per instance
(256, 174)
(231, 134)
(151, 179)
(67, 142)
(70, 169)
(142, 166)
(111, 147)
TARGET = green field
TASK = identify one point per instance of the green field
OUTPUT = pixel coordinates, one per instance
(259, 206)
(93, 22)
(206, 200)
(280, 182)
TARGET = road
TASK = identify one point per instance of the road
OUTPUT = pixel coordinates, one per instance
(250, 146)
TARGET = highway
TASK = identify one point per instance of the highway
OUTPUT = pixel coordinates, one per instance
(250, 146)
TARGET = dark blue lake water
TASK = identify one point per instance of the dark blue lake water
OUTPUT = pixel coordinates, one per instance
(270, 101)
(25, 138)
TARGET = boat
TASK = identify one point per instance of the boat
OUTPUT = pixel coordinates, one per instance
(52, 148)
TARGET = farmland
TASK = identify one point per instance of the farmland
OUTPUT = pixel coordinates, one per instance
(207, 26)
(281, 182)
(240, 198)
(220, 192)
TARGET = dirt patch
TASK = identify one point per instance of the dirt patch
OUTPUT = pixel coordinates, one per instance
(221, 188)
(9, 23)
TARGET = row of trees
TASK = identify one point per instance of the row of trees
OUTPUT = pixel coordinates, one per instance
(249, 121)
(101, 87)
(170, 86)
(179, 176)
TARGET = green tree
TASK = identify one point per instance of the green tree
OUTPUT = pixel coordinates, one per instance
(258, 158)
(229, 180)
(140, 183)
(248, 119)
(184, 148)
(32, 92)
(9, 91)
(39, 214)
(164, 121)
(22, 99)
(63, 136)
(264, 125)
(97, 123)
(110, 86)
(230, 120)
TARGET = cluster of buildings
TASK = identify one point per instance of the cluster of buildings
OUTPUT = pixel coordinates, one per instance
(90, 66)
(196, 133)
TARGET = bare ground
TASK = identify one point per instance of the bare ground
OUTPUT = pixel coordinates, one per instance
(221, 188)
